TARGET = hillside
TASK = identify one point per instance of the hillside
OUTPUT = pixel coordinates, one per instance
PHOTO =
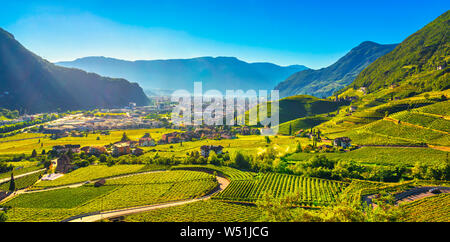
(301, 106)
(420, 62)
(219, 73)
(324, 82)
(32, 84)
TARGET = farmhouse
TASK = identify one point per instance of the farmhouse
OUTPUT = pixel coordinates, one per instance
(205, 149)
(121, 149)
(343, 142)
(63, 164)
(146, 142)
(137, 152)
(60, 149)
(97, 150)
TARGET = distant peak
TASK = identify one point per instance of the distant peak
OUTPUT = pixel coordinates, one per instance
(6, 33)
(368, 43)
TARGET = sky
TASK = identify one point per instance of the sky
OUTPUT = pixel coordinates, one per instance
(310, 33)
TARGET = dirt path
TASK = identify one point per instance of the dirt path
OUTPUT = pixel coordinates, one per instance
(92, 217)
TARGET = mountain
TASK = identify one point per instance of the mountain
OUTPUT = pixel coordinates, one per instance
(32, 84)
(326, 81)
(219, 73)
(420, 63)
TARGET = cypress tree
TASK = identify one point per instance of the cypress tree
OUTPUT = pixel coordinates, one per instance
(12, 184)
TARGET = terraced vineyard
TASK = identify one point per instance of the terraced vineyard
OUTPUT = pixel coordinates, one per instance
(440, 108)
(430, 209)
(385, 132)
(310, 191)
(431, 122)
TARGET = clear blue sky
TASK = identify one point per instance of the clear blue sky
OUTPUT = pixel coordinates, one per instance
(312, 33)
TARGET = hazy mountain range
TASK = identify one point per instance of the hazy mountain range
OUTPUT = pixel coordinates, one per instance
(31, 84)
(219, 73)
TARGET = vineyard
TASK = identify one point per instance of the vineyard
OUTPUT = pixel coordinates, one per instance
(310, 191)
(430, 209)
(228, 172)
(124, 192)
(95, 172)
(414, 135)
(203, 211)
(22, 182)
(431, 122)
(440, 108)
(385, 156)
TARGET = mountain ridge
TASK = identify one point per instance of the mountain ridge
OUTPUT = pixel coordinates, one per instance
(32, 84)
(420, 63)
(325, 81)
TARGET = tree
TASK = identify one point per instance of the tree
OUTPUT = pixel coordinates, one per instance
(298, 148)
(124, 137)
(281, 210)
(12, 184)
(267, 139)
(103, 158)
(43, 152)
(241, 161)
(3, 216)
(33, 153)
(290, 129)
(213, 159)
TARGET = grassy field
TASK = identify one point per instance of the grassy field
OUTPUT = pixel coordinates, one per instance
(203, 211)
(381, 156)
